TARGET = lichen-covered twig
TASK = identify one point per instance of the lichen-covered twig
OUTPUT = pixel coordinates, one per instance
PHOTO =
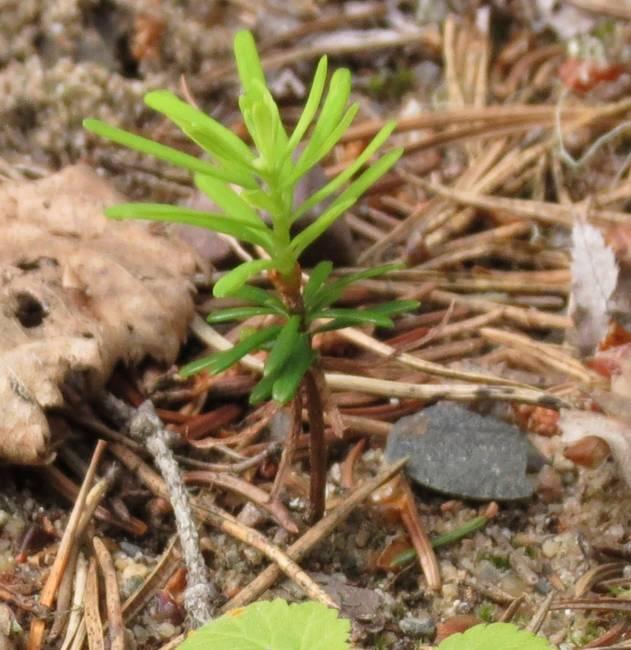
(145, 426)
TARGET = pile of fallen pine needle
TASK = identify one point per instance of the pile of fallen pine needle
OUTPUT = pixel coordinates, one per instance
(480, 209)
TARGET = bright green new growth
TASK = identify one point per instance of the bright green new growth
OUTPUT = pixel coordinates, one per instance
(273, 625)
(267, 176)
(496, 636)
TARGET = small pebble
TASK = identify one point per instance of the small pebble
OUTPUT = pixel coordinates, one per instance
(549, 485)
(421, 626)
(550, 548)
(166, 630)
(132, 550)
(362, 537)
(513, 585)
(141, 634)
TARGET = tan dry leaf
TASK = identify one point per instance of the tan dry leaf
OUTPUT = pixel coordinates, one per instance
(78, 293)
(594, 279)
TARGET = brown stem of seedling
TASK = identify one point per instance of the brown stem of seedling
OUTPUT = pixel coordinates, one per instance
(313, 383)
(290, 446)
(317, 455)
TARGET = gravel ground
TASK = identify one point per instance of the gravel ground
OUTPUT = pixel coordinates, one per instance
(63, 60)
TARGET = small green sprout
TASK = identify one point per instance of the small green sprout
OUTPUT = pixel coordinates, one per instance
(254, 188)
(267, 177)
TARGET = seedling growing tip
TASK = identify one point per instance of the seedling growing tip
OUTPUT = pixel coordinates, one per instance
(254, 188)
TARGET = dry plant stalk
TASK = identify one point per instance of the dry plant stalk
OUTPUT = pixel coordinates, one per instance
(145, 426)
(159, 575)
(69, 539)
(91, 614)
(423, 547)
(116, 627)
(78, 595)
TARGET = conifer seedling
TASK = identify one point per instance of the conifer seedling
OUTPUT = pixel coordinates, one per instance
(254, 188)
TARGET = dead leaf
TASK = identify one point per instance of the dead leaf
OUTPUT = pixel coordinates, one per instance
(594, 279)
(78, 293)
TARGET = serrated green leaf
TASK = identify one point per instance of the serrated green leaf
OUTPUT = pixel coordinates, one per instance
(287, 383)
(311, 105)
(496, 636)
(283, 347)
(175, 214)
(220, 361)
(155, 149)
(237, 313)
(317, 277)
(336, 184)
(247, 58)
(273, 625)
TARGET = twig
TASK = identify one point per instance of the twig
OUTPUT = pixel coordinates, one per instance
(64, 596)
(234, 468)
(289, 447)
(49, 592)
(615, 8)
(420, 541)
(91, 615)
(78, 596)
(158, 576)
(115, 623)
(545, 352)
(317, 532)
(251, 492)
(541, 211)
(317, 444)
(542, 611)
(250, 536)
(324, 24)
(145, 426)
(214, 516)
(528, 318)
(386, 388)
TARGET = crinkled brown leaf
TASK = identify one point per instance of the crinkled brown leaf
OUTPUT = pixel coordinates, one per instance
(78, 293)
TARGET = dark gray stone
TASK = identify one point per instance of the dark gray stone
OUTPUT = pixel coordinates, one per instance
(460, 453)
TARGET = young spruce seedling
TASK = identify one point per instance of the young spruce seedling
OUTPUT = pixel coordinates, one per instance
(255, 191)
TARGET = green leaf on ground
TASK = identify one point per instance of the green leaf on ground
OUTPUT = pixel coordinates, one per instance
(496, 636)
(273, 625)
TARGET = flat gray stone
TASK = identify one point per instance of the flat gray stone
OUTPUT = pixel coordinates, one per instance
(460, 453)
